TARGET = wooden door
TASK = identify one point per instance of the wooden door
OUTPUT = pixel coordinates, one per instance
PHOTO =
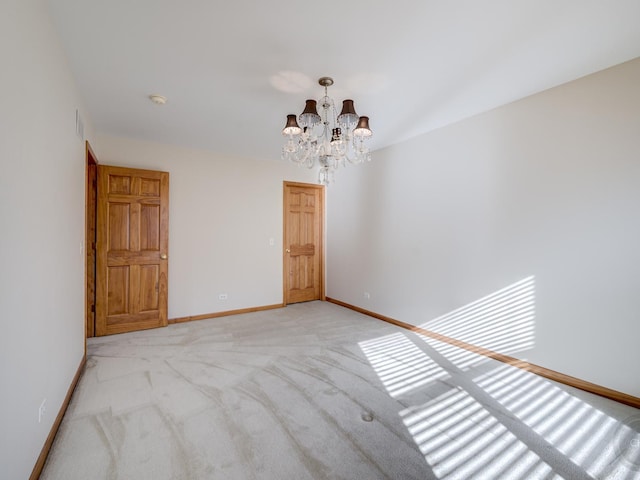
(132, 249)
(303, 242)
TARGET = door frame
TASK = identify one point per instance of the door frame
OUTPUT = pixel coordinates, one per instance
(321, 248)
(91, 203)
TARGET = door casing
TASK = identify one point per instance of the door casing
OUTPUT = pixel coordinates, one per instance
(90, 240)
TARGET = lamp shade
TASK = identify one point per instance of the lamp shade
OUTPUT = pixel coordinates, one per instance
(348, 115)
(292, 127)
(362, 129)
(309, 116)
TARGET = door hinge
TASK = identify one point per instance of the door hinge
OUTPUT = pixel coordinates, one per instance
(93, 309)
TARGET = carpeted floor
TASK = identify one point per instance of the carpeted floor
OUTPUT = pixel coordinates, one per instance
(315, 391)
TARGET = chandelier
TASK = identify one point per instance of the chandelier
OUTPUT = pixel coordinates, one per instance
(325, 138)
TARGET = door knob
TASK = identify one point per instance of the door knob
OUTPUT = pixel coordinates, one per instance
(163, 256)
(288, 251)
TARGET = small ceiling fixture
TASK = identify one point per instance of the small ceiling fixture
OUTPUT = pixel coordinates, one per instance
(158, 99)
(326, 138)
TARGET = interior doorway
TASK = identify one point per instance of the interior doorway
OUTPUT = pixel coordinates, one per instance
(126, 245)
(303, 241)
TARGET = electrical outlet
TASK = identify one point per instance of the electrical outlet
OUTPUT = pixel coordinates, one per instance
(367, 295)
(42, 410)
(222, 296)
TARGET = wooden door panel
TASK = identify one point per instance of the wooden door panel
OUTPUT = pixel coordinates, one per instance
(121, 257)
(302, 274)
(118, 227)
(303, 237)
(149, 278)
(150, 227)
(119, 184)
(149, 187)
(118, 288)
(132, 267)
(306, 250)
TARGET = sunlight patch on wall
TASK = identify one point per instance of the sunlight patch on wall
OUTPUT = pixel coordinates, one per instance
(502, 321)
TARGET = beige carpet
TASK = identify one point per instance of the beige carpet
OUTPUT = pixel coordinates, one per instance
(315, 391)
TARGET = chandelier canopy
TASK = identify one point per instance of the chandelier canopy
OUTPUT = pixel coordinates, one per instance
(326, 138)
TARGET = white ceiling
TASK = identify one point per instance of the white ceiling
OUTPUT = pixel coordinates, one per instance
(232, 70)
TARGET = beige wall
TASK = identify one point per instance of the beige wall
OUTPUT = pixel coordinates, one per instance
(42, 195)
(545, 189)
(223, 212)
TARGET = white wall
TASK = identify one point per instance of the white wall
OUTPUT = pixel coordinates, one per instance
(547, 187)
(222, 213)
(42, 197)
